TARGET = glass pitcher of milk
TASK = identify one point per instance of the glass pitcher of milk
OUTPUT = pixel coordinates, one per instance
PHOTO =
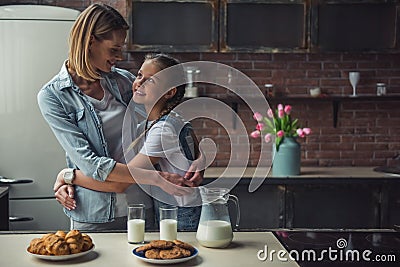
(215, 230)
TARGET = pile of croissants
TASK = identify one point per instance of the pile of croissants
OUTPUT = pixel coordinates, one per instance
(61, 243)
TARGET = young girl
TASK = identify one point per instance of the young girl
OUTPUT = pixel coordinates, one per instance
(165, 137)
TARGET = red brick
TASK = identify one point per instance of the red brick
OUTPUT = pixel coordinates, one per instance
(289, 57)
(323, 74)
(359, 57)
(254, 57)
(338, 65)
(324, 57)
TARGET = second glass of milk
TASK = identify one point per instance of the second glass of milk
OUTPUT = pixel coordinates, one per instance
(168, 223)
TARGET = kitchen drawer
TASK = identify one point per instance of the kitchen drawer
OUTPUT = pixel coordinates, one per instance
(46, 214)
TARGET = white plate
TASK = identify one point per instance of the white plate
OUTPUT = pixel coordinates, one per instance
(140, 255)
(61, 257)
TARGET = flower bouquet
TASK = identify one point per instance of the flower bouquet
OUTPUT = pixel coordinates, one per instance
(279, 124)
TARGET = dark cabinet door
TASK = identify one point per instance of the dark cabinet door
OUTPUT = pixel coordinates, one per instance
(261, 209)
(263, 26)
(391, 206)
(354, 25)
(333, 206)
(173, 25)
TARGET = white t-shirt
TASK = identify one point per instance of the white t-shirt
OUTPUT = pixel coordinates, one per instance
(111, 113)
(162, 141)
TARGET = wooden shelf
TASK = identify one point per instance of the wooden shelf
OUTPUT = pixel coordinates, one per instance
(233, 101)
(336, 100)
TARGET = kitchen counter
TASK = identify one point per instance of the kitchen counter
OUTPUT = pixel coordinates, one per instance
(112, 249)
(343, 197)
(306, 172)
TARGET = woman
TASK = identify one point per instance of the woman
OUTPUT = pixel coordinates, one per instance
(84, 105)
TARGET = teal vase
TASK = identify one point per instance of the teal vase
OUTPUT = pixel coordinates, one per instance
(287, 159)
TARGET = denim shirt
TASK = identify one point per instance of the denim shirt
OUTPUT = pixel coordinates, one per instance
(78, 129)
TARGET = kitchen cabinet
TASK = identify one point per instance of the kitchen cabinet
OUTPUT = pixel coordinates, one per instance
(264, 208)
(37, 214)
(391, 205)
(264, 25)
(354, 25)
(173, 25)
(328, 198)
(330, 205)
(4, 208)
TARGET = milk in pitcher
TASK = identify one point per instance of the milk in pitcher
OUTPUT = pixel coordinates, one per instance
(214, 233)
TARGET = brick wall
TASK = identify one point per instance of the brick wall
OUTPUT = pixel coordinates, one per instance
(367, 132)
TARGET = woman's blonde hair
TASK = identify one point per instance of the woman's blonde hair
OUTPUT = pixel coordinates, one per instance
(98, 20)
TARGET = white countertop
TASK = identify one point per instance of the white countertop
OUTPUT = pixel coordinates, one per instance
(112, 249)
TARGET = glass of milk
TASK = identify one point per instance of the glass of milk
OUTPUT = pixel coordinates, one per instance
(136, 223)
(168, 223)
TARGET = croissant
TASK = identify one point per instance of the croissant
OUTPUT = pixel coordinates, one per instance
(37, 246)
(61, 243)
(75, 241)
(87, 242)
(56, 245)
(61, 234)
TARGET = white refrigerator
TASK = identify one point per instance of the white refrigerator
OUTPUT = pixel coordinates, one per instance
(33, 46)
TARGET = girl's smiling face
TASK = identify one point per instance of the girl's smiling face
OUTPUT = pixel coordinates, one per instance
(146, 87)
(151, 88)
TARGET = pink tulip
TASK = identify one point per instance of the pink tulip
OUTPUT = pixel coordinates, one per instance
(260, 126)
(307, 131)
(268, 138)
(270, 113)
(281, 113)
(288, 109)
(280, 107)
(257, 116)
(255, 134)
(300, 132)
(280, 133)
